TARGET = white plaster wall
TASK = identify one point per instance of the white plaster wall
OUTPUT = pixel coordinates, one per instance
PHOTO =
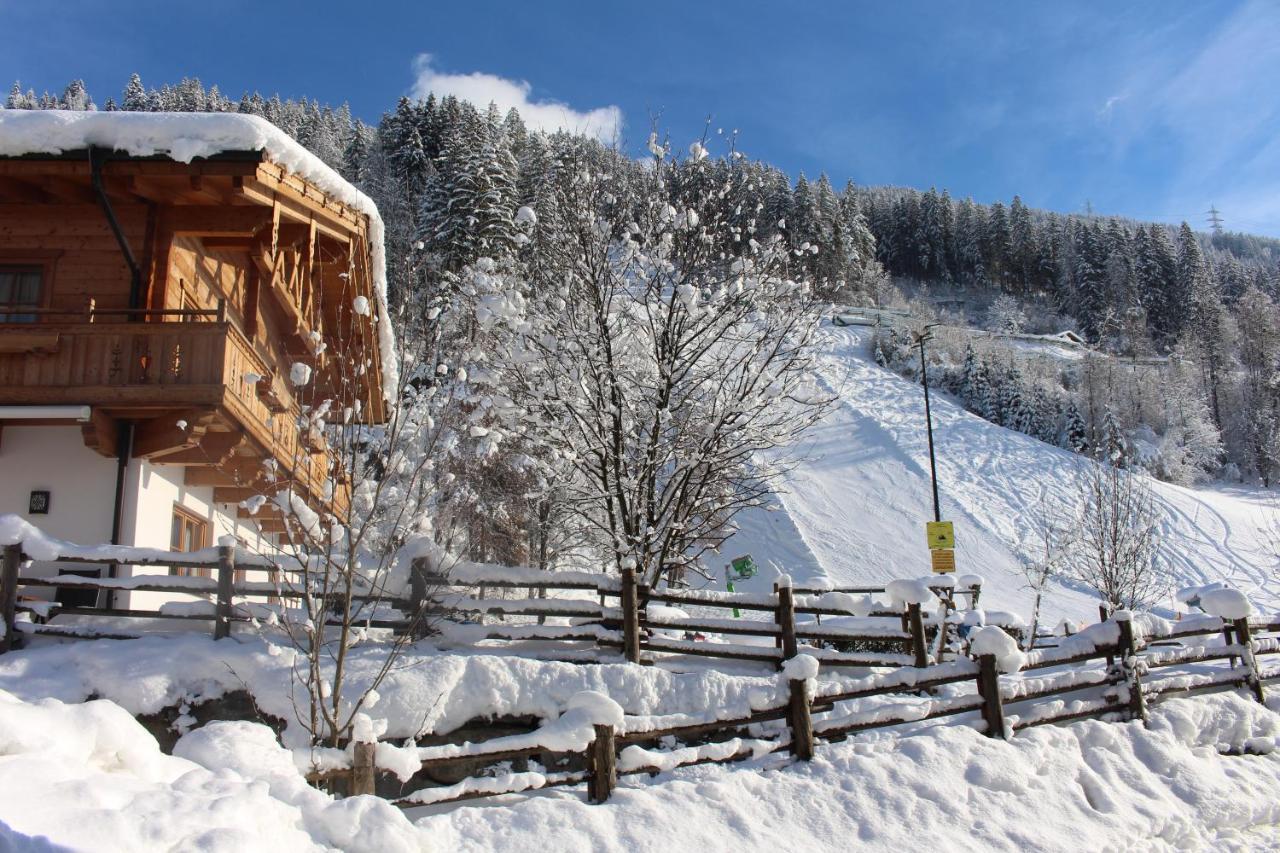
(152, 493)
(81, 483)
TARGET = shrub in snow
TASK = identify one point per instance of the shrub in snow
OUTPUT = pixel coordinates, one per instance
(990, 640)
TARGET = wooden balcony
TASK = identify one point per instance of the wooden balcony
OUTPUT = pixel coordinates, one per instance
(160, 371)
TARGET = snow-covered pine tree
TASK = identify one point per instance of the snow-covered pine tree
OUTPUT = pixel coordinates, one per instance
(997, 245)
(1206, 318)
(1112, 446)
(1022, 248)
(76, 97)
(17, 100)
(1074, 435)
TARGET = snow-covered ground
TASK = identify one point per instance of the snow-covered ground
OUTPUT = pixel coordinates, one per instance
(854, 509)
(77, 769)
(88, 777)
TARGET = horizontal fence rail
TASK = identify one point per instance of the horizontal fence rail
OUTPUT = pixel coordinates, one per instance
(618, 618)
(1104, 673)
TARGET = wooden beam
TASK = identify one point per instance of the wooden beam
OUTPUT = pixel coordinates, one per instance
(266, 525)
(233, 494)
(100, 433)
(246, 164)
(167, 434)
(221, 220)
(252, 292)
(227, 244)
(19, 191)
(158, 281)
(215, 449)
(69, 190)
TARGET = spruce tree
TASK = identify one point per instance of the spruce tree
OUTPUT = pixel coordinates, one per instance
(997, 245)
(1075, 435)
(17, 101)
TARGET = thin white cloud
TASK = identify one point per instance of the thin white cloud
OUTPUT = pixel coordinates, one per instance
(481, 89)
(1215, 111)
(1110, 106)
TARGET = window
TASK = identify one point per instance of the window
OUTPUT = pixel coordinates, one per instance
(189, 532)
(20, 288)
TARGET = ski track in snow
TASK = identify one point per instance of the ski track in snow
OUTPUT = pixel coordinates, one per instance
(854, 507)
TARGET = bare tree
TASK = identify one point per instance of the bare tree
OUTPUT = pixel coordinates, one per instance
(344, 497)
(1117, 554)
(662, 371)
(1056, 537)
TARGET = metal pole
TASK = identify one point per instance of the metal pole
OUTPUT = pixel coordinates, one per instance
(928, 420)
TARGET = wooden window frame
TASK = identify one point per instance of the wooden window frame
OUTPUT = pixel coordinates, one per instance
(46, 262)
(189, 516)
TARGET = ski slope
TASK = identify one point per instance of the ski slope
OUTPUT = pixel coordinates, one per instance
(854, 509)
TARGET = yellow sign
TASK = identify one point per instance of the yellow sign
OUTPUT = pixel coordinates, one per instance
(944, 560)
(940, 534)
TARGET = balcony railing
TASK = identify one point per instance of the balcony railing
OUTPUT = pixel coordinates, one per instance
(155, 365)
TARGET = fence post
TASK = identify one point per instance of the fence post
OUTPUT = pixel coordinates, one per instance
(226, 580)
(602, 766)
(916, 621)
(630, 617)
(1228, 639)
(785, 616)
(989, 690)
(9, 596)
(1129, 669)
(800, 719)
(642, 615)
(363, 768)
(1104, 616)
(1245, 637)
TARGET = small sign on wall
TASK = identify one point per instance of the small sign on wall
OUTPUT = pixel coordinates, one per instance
(39, 504)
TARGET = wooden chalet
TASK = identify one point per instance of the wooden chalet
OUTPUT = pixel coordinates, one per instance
(151, 314)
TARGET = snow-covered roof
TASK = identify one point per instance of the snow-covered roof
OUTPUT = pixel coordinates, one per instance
(186, 136)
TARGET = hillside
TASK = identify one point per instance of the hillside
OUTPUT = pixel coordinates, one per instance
(854, 509)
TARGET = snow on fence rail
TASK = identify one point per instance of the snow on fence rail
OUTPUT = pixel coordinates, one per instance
(1102, 674)
(878, 635)
(873, 634)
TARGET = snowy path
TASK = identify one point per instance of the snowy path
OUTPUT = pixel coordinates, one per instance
(859, 500)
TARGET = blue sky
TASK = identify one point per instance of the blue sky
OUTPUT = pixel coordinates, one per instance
(1154, 110)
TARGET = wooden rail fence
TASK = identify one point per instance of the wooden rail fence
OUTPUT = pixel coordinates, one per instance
(620, 618)
(227, 566)
(616, 616)
(1109, 672)
(1105, 671)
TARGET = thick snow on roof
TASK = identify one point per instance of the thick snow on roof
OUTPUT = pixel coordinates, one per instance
(186, 136)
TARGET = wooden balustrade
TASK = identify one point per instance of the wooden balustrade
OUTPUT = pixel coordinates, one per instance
(154, 366)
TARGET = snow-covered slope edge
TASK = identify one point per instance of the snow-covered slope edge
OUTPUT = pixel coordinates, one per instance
(89, 777)
(859, 499)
